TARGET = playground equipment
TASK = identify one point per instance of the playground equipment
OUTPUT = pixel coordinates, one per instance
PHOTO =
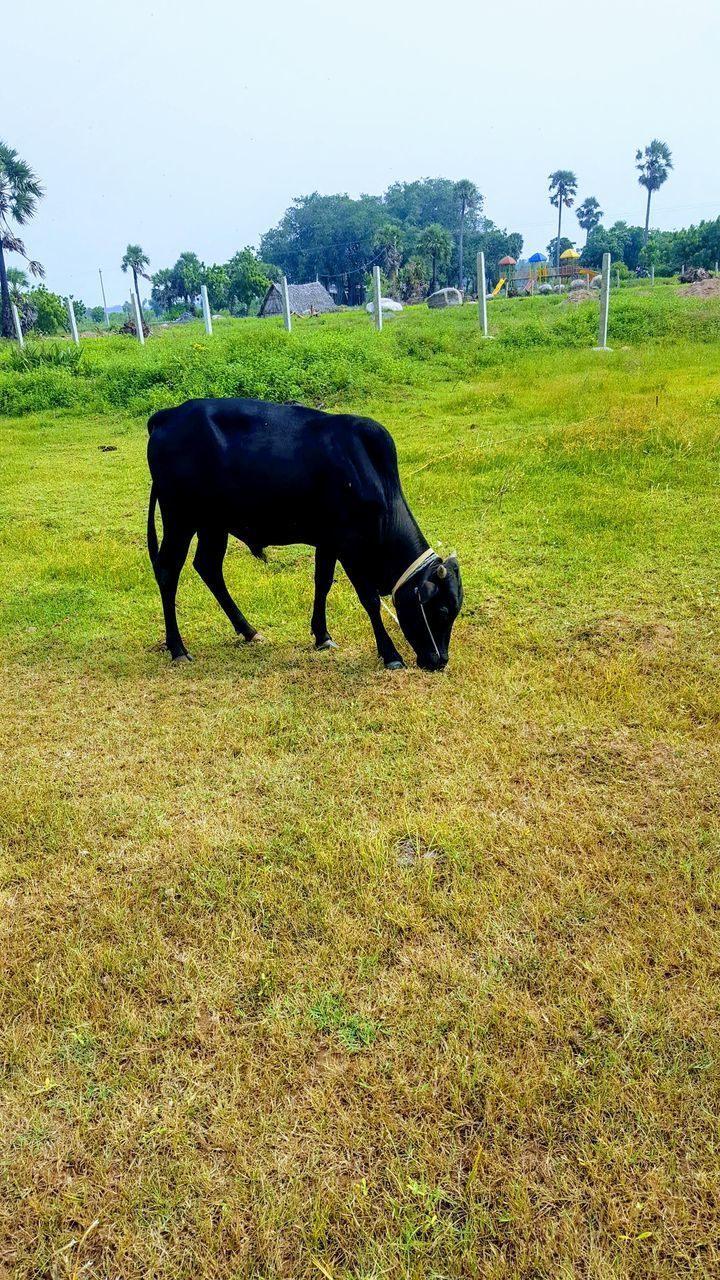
(497, 288)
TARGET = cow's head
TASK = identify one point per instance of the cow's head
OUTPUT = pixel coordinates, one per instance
(427, 606)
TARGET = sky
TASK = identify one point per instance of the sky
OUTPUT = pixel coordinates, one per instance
(192, 126)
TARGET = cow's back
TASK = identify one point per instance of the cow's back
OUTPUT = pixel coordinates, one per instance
(270, 473)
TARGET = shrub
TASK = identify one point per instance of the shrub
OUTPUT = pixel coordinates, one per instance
(51, 313)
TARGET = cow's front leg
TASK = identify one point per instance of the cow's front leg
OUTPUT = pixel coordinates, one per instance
(370, 600)
(324, 569)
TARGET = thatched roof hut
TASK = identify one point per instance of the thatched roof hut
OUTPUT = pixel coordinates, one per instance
(304, 300)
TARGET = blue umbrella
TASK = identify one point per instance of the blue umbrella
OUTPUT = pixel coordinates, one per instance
(538, 257)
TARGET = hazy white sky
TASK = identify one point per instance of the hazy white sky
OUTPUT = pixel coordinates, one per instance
(189, 125)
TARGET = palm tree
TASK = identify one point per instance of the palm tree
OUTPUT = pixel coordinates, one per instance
(17, 280)
(136, 261)
(468, 199)
(654, 163)
(435, 243)
(19, 192)
(388, 242)
(563, 189)
(588, 215)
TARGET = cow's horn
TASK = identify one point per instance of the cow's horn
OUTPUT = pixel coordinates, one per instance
(441, 572)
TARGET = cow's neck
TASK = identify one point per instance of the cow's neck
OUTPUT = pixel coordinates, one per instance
(403, 543)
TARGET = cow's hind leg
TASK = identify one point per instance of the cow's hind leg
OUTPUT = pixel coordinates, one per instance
(168, 564)
(209, 556)
(370, 600)
(324, 569)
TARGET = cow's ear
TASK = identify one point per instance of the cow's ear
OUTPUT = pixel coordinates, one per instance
(426, 591)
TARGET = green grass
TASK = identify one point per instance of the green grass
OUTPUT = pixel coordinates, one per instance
(310, 968)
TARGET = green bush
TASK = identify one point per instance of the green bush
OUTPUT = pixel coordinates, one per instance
(331, 359)
(51, 314)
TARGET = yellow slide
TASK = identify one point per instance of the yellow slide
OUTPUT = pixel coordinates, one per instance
(498, 287)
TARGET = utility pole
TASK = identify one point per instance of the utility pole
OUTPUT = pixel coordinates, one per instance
(102, 286)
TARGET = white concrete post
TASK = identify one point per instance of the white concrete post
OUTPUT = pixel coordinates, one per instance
(482, 294)
(285, 304)
(107, 313)
(716, 268)
(138, 317)
(18, 326)
(206, 309)
(652, 275)
(376, 298)
(604, 305)
(73, 322)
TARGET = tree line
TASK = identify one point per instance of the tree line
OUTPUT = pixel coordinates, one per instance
(424, 235)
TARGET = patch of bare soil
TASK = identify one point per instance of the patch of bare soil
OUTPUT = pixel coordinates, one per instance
(709, 288)
(616, 630)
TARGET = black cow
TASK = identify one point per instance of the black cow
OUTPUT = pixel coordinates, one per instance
(273, 474)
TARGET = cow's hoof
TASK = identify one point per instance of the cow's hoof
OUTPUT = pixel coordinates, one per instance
(396, 665)
(256, 638)
(183, 657)
(326, 644)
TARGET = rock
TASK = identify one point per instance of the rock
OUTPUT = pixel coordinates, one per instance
(129, 329)
(577, 284)
(187, 317)
(445, 298)
(386, 304)
(596, 282)
(545, 288)
(693, 275)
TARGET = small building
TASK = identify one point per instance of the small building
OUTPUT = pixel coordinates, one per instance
(305, 300)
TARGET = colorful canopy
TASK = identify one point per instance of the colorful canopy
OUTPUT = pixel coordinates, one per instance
(569, 253)
(507, 261)
(538, 257)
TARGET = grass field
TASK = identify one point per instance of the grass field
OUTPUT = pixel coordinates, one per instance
(312, 969)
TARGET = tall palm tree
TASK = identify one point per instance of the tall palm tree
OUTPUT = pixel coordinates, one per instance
(468, 198)
(563, 189)
(588, 215)
(435, 243)
(654, 164)
(136, 261)
(388, 243)
(20, 191)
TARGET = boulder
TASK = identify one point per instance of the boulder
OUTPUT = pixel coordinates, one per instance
(386, 304)
(693, 275)
(578, 284)
(545, 288)
(445, 298)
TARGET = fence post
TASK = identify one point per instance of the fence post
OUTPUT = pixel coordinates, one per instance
(206, 309)
(376, 298)
(107, 313)
(18, 326)
(604, 305)
(652, 275)
(73, 323)
(482, 294)
(285, 304)
(138, 317)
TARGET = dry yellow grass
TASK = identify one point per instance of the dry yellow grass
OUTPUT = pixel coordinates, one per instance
(310, 969)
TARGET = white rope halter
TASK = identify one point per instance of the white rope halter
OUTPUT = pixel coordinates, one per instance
(411, 570)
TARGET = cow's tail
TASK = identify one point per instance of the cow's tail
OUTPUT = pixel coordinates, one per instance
(152, 538)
